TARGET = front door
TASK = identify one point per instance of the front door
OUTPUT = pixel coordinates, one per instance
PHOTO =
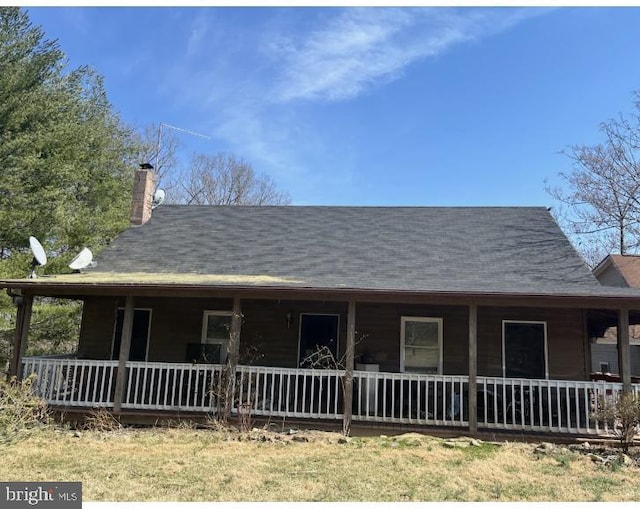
(139, 334)
(318, 340)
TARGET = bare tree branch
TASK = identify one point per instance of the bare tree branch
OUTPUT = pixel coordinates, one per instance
(602, 198)
(222, 179)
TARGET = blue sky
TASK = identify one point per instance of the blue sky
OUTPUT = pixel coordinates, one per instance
(369, 106)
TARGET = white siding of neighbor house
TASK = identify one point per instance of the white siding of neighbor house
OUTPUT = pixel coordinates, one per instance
(611, 277)
(609, 353)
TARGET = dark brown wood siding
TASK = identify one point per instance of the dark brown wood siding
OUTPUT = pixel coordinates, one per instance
(174, 323)
(265, 330)
(565, 342)
(378, 334)
(267, 339)
(96, 332)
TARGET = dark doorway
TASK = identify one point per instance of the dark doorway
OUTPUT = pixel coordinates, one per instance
(318, 331)
(139, 335)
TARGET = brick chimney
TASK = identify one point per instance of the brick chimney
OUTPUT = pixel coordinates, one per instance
(143, 188)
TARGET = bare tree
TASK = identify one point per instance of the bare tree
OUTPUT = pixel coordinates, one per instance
(222, 179)
(601, 204)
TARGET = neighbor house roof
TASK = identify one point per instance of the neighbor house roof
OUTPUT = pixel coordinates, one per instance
(460, 250)
(619, 270)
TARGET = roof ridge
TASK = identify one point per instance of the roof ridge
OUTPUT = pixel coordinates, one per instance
(293, 206)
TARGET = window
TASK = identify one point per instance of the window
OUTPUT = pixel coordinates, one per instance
(604, 367)
(524, 349)
(421, 345)
(216, 330)
(139, 334)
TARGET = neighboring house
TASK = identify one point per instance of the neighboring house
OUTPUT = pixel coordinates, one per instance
(477, 317)
(621, 271)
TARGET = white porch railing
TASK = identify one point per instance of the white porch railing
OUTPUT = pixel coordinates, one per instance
(542, 405)
(285, 392)
(410, 398)
(512, 404)
(73, 382)
(172, 386)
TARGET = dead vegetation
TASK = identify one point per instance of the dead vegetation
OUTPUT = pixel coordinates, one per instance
(20, 411)
(101, 420)
(214, 463)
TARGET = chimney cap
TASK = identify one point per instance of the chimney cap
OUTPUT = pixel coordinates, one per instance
(146, 166)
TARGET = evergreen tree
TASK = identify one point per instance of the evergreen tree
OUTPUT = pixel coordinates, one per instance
(66, 169)
(65, 157)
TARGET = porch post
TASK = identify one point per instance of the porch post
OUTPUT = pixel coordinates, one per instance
(624, 360)
(473, 367)
(349, 364)
(125, 347)
(21, 334)
(587, 345)
(236, 325)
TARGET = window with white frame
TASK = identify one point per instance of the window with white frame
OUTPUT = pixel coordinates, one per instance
(421, 344)
(216, 331)
(524, 349)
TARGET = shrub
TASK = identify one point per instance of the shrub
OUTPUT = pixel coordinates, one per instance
(20, 409)
(622, 416)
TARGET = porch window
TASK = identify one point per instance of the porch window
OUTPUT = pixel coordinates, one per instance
(524, 349)
(216, 332)
(421, 345)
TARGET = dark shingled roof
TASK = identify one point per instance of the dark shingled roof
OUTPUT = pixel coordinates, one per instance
(451, 249)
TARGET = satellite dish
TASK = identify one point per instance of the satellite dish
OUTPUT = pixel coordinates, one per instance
(39, 256)
(82, 260)
(158, 198)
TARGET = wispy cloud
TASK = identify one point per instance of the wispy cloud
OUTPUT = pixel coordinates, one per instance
(248, 81)
(363, 47)
(198, 33)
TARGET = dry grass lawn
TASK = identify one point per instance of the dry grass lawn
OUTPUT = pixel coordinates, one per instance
(203, 465)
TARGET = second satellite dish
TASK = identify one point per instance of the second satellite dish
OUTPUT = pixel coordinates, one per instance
(158, 198)
(83, 259)
(39, 256)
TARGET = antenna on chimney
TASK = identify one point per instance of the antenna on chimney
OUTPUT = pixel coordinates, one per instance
(180, 129)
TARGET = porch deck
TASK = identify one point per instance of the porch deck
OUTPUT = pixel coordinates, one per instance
(554, 406)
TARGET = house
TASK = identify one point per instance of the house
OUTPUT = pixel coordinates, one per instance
(472, 317)
(621, 271)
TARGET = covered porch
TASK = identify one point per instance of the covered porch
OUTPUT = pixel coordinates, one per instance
(471, 363)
